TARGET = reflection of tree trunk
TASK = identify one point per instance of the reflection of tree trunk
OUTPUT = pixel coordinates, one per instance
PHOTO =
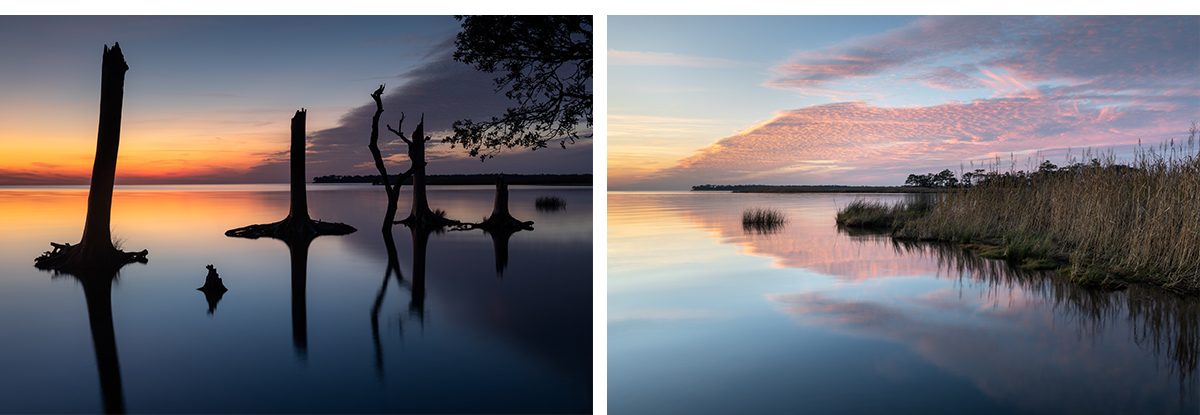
(98, 294)
(298, 251)
(95, 250)
(500, 239)
(393, 266)
(420, 238)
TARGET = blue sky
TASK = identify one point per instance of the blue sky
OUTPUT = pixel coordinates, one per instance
(871, 99)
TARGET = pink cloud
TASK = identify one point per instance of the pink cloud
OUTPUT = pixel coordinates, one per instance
(1109, 53)
(803, 146)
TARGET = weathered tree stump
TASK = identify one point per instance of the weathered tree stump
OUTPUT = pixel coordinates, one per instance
(213, 289)
(297, 225)
(95, 253)
(500, 219)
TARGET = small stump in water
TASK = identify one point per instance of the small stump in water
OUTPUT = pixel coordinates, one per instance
(212, 282)
(213, 288)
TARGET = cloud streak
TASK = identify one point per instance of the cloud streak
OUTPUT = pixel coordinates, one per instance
(632, 58)
(1039, 83)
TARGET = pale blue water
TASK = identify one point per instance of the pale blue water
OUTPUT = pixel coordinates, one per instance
(705, 317)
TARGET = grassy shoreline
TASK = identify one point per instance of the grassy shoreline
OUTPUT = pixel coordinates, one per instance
(1104, 225)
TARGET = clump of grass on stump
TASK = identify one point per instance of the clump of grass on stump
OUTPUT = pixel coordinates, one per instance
(762, 220)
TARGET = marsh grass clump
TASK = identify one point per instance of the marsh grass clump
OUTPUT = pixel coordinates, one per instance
(881, 215)
(763, 220)
(1102, 221)
(549, 203)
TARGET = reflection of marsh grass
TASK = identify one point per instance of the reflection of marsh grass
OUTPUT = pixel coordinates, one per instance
(1109, 223)
(762, 220)
(1165, 323)
(549, 203)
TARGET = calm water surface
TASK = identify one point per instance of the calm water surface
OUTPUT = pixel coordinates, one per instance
(473, 323)
(706, 317)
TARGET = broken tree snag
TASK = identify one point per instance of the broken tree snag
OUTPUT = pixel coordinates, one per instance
(500, 218)
(392, 189)
(420, 215)
(95, 252)
(299, 210)
(297, 225)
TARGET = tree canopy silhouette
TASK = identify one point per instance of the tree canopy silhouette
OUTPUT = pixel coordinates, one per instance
(547, 62)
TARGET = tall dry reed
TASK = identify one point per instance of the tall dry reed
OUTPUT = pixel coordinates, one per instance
(1140, 222)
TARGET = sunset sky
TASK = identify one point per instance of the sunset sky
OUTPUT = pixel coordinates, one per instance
(871, 99)
(208, 99)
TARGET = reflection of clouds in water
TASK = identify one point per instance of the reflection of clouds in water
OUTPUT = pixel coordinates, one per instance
(818, 308)
(673, 314)
(811, 241)
(1021, 356)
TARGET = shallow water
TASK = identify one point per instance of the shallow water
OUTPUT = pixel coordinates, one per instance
(480, 324)
(706, 317)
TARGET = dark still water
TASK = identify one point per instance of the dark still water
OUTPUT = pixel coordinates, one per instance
(473, 323)
(706, 317)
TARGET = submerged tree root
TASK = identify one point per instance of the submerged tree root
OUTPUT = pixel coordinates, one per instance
(81, 258)
(289, 228)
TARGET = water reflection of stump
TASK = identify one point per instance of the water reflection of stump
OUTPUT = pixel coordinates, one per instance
(97, 293)
(298, 251)
(416, 305)
(500, 239)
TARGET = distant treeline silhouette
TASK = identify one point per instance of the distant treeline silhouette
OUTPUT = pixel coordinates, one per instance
(1045, 170)
(726, 186)
(754, 186)
(469, 179)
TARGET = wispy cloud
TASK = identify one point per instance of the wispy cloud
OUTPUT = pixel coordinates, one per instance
(631, 58)
(1039, 83)
(1105, 55)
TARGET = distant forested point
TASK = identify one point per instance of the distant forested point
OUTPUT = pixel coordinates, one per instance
(1046, 170)
(470, 179)
(726, 187)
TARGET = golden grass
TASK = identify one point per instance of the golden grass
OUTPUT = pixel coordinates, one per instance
(1109, 222)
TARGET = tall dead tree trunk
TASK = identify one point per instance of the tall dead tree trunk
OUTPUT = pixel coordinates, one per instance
(420, 215)
(95, 251)
(299, 210)
(297, 225)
